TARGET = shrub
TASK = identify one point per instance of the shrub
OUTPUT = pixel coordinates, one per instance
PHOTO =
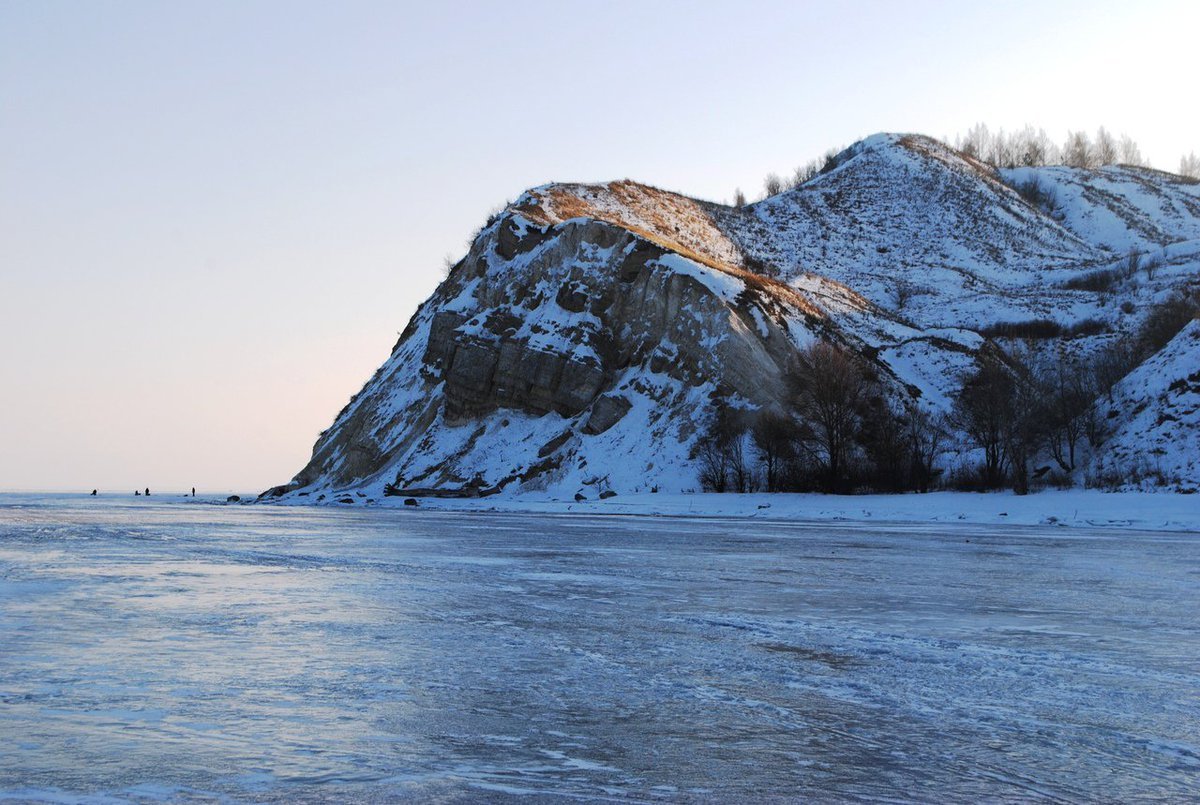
(1044, 328)
(1085, 327)
(1099, 281)
(968, 478)
(1165, 321)
(1037, 195)
(1033, 328)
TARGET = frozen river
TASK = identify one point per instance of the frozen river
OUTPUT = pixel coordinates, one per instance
(172, 651)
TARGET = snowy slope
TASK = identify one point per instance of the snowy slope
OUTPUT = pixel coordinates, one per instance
(1118, 208)
(1154, 415)
(581, 343)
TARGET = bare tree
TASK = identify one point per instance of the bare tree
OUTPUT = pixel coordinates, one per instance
(721, 454)
(775, 436)
(902, 292)
(739, 198)
(1025, 429)
(926, 433)
(1033, 148)
(831, 389)
(977, 143)
(1095, 427)
(1105, 149)
(1077, 151)
(1130, 153)
(829, 160)
(999, 151)
(1190, 166)
(714, 464)
(982, 411)
(805, 172)
(741, 472)
(1110, 366)
(1150, 266)
(1066, 391)
(883, 435)
(773, 184)
(1133, 261)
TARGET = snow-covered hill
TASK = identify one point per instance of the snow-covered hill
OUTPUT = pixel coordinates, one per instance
(583, 341)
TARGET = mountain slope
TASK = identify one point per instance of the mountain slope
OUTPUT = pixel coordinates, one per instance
(586, 339)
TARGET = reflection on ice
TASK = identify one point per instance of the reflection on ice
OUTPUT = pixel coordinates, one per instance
(164, 651)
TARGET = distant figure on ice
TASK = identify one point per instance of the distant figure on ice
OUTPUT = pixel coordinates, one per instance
(147, 491)
(193, 491)
(93, 493)
(137, 494)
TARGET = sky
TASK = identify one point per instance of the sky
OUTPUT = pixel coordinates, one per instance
(216, 217)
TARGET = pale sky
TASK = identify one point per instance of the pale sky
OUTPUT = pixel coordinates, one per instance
(215, 217)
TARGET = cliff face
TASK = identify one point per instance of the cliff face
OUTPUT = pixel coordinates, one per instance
(582, 341)
(565, 353)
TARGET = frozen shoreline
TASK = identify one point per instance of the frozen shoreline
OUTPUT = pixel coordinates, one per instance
(1143, 511)
(1080, 508)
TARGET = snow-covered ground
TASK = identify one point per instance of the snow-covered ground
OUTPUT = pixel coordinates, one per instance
(164, 651)
(1149, 511)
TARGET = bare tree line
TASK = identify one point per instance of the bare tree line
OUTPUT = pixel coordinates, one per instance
(839, 432)
(1028, 147)
(774, 183)
(1026, 406)
(1032, 147)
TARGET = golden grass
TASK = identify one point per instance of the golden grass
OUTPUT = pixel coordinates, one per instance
(671, 221)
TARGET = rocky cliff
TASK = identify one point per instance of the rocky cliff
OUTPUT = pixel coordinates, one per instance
(583, 341)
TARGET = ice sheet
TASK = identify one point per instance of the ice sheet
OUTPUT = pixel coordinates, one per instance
(156, 651)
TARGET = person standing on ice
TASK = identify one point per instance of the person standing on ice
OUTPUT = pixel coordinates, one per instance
(147, 491)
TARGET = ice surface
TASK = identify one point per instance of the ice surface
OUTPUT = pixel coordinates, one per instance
(156, 651)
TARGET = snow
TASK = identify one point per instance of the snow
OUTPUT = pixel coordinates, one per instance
(183, 651)
(725, 286)
(1078, 508)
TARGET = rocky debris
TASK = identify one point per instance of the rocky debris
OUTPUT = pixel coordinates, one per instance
(607, 493)
(411, 502)
(607, 411)
(555, 443)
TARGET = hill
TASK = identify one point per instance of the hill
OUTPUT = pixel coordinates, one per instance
(595, 334)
